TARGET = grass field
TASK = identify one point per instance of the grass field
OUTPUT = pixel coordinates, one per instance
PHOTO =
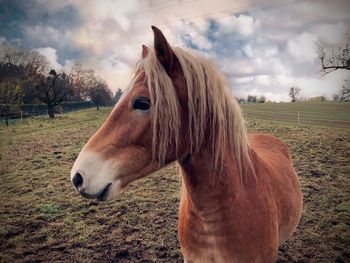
(327, 114)
(42, 218)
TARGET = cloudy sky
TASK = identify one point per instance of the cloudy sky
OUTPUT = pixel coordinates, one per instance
(263, 47)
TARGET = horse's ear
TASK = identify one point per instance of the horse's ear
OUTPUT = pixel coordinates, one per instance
(163, 50)
(145, 51)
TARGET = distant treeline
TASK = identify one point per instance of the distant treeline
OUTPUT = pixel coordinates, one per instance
(28, 84)
(252, 99)
(342, 96)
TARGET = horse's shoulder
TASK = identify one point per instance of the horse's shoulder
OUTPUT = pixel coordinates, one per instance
(264, 138)
(264, 143)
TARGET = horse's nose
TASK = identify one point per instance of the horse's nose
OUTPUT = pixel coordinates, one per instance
(77, 180)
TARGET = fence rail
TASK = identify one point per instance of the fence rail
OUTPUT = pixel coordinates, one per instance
(19, 114)
(301, 118)
(339, 120)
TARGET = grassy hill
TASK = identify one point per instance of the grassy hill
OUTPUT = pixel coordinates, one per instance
(42, 218)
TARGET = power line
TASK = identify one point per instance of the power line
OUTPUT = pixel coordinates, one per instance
(159, 3)
(210, 15)
(161, 8)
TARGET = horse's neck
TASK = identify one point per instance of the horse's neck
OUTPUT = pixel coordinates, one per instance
(207, 190)
(211, 203)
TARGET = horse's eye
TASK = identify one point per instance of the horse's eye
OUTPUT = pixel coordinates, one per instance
(141, 103)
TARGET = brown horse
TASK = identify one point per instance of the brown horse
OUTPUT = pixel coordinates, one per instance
(241, 197)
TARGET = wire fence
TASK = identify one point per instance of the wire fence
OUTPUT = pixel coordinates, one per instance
(338, 120)
(18, 115)
(302, 118)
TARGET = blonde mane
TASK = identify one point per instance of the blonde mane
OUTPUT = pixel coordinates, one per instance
(210, 107)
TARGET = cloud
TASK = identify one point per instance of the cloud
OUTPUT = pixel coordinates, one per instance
(261, 47)
(242, 24)
(238, 68)
(51, 55)
(263, 80)
(192, 35)
(332, 34)
(115, 71)
(43, 34)
(303, 47)
(327, 85)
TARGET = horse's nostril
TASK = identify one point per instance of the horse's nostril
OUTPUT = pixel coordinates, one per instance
(77, 180)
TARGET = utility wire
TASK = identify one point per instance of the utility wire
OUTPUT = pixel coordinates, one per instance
(159, 3)
(161, 8)
(209, 15)
(230, 11)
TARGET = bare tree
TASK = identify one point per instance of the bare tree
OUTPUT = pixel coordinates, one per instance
(293, 93)
(11, 76)
(21, 68)
(22, 63)
(28, 70)
(336, 59)
(10, 98)
(345, 91)
(12, 63)
(100, 94)
(35, 63)
(336, 97)
(262, 99)
(81, 79)
(11, 55)
(251, 99)
(53, 90)
(88, 86)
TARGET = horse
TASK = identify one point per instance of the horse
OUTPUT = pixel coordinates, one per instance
(241, 196)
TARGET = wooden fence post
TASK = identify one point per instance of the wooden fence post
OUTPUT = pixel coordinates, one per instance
(298, 117)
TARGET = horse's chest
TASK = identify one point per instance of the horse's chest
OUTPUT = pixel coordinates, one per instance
(206, 255)
(199, 244)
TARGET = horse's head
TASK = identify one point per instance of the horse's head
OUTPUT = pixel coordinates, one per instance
(126, 147)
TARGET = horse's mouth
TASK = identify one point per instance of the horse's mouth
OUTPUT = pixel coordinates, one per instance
(104, 194)
(100, 196)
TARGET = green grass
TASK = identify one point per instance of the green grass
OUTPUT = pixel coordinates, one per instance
(328, 114)
(42, 218)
